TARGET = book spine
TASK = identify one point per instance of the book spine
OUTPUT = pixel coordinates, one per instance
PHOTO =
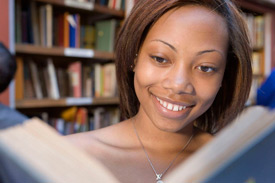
(49, 25)
(19, 79)
(75, 71)
(66, 30)
(53, 79)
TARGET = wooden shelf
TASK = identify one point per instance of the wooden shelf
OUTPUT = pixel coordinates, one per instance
(62, 52)
(87, 8)
(65, 102)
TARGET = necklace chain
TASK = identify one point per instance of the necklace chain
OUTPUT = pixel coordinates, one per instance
(159, 176)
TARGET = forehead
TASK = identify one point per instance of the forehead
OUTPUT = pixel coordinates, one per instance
(188, 22)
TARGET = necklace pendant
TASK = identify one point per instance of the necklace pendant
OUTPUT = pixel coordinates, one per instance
(159, 178)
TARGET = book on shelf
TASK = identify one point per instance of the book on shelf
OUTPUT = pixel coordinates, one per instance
(46, 25)
(28, 83)
(109, 80)
(63, 80)
(256, 28)
(242, 152)
(75, 74)
(87, 36)
(53, 84)
(19, 79)
(88, 81)
(257, 63)
(35, 80)
(34, 23)
(105, 34)
(116, 4)
(81, 119)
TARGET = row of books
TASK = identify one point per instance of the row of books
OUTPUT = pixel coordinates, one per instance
(113, 4)
(256, 28)
(43, 26)
(74, 120)
(46, 80)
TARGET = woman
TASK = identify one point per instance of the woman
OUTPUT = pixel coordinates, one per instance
(183, 70)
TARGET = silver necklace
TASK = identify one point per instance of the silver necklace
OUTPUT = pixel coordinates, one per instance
(159, 176)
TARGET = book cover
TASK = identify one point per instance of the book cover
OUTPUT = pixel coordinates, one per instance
(105, 35)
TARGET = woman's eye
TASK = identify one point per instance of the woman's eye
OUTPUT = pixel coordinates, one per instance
(159, 59)
(206, 69)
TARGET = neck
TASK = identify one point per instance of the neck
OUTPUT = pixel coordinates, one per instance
(166, 141)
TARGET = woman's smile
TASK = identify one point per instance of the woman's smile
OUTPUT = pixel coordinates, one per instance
(171, 109)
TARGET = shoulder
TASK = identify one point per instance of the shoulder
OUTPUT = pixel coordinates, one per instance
(10, 117)
(201, 138)
(101, 142)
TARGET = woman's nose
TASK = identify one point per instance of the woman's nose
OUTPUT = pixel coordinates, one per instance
(179, 80)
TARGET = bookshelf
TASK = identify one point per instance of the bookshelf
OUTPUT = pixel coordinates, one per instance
(66, 102)
(22, 49)
(260, 16)
(93, 12)
(62, 66)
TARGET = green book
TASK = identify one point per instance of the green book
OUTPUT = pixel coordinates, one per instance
(105, 35)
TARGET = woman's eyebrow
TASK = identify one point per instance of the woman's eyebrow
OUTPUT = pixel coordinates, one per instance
(210, 51)
(168, 44)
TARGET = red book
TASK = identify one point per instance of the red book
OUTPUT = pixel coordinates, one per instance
(61, 30)
(75, 73)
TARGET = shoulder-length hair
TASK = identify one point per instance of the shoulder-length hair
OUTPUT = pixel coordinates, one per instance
(236, 83)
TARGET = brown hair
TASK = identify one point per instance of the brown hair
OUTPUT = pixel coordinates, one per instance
(234, 92)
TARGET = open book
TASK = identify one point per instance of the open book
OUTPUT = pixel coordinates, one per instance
(242, 152)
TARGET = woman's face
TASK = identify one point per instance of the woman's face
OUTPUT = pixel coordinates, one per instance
(180, 66)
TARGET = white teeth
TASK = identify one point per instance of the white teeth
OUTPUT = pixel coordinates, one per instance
(176, 108)
(171, 107)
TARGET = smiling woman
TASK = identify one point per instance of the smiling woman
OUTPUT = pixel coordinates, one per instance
(183, 71)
